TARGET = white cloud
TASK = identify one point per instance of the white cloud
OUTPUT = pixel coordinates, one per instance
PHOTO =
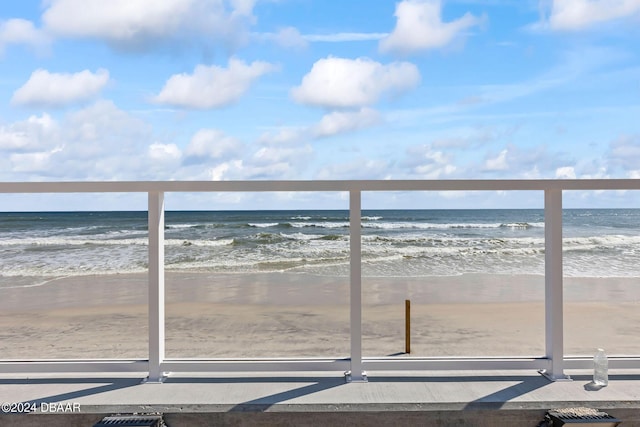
(420, 27)
(331, 124)
(339, 82)
(345, 121)
(143, 24)
(434, 170)
(601, 173)
(21, 31)
(515, 161)
(356, 169)
(38, 162)
(273, 170)
(45, 89)
(164, 153)
(284, 136)
(31, 134)
(566, 172)
(242, 7)
(105, 123)
(275, 154)
(426, 163)
(102, 142)
(162, 161)
(240, 169)
(278, 156)
(207, 144)
(288, 37)
(13, 140)
(498, 163)
(211, 154)
(221, 171)
(212, 86)
(574, 15)
(533, 173)
(624, 152)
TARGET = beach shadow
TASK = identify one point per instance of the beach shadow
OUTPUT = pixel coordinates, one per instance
(496, 400)
(264, 403)
(112, 384)
(247, 380)
(450, 379)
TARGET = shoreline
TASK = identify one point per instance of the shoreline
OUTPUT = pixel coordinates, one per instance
(295, 315)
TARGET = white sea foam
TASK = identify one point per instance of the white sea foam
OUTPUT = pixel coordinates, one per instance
(522, 225)
(394, 244)
(182, 226)
(326, 224)
(428, 226)
(302, 236)
(75, 241)
(201, 243)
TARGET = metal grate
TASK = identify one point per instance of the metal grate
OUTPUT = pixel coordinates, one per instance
(581, 417)
(131, 421)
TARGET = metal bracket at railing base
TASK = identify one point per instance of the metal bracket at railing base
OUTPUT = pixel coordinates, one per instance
(554, 378)
(351, 378)
(156, 380)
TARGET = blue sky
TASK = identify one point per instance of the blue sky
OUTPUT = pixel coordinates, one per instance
(310, 89)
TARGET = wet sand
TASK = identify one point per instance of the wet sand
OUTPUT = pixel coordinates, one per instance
(297, 315)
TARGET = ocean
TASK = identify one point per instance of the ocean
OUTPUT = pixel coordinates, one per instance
(38, 246)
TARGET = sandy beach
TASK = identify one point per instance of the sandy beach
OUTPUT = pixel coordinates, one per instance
(291, 315)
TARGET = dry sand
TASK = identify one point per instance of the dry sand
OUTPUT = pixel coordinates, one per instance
(291, 315)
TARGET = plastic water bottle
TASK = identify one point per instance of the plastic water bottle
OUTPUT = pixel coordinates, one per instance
(600, 368)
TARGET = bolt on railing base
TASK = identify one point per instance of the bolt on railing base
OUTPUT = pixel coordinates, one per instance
(554, 378)
(353, 378)
(156, 379)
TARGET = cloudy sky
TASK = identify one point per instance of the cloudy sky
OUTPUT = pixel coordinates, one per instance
(319, 89)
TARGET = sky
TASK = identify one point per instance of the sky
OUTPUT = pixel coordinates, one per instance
(94, 90)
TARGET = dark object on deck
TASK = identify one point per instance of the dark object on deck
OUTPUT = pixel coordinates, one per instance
(575, 417)
(131, 421)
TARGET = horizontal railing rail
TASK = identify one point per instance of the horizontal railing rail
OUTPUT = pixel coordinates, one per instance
(552, 364)
(321, 185)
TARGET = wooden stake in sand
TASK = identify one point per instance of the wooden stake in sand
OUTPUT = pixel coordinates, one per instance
(407, 326)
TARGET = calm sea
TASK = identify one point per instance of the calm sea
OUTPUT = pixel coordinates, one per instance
(39, 246)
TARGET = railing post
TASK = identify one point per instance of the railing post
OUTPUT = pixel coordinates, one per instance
(156, 286)
(356, 374)
(554, 325)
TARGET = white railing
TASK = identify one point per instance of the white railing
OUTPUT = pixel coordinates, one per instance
(553, 364)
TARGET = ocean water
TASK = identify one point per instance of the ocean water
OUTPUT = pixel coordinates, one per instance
(37, 246)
